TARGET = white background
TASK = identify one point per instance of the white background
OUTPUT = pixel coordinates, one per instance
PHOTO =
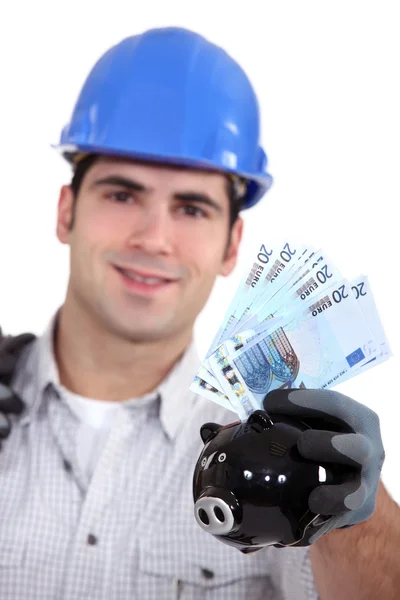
(327, 75)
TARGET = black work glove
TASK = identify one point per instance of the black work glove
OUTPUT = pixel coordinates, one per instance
(10, 350)
(355, 443)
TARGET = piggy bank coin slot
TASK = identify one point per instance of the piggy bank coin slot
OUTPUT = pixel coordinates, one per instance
(256, 427)
(259, 421)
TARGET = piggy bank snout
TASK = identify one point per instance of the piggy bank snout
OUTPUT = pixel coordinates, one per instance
(215, 511)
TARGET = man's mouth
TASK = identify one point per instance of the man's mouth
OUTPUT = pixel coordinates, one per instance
(144, 283)
(149, 280)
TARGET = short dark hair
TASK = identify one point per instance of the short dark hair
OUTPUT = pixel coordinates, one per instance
(235, 202)
(80, 171)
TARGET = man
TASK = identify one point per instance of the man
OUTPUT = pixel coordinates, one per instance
(96, 473)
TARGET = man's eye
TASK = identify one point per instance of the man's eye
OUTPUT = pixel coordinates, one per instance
(193, 211)
(122, 197)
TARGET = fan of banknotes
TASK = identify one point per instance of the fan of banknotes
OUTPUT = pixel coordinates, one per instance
(294, 322)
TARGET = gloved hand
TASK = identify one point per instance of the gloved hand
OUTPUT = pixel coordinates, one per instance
(10, 349)
(352, 501)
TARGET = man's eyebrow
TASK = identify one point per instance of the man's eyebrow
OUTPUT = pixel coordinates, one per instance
(198, 198)
(120, 181)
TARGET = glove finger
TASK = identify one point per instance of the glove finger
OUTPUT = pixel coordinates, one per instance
(7, 364)
(338, 499)
(12, 343)
(5, 426)
(9, 401)
(317, 403)
(352, 449)
(277, 402)
(302, 404)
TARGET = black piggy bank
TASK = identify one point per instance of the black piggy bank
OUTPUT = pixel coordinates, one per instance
(251, 485)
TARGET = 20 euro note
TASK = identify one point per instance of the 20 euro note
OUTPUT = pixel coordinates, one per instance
(205, 382)
(208, 390)
(245, 289)
(283, 269)
(268, 268)
(361, 289)
(309, 282)
(313, 345)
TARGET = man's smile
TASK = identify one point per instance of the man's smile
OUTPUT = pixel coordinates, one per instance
(143, 283)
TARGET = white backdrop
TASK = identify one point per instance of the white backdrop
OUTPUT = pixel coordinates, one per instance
(327, 79)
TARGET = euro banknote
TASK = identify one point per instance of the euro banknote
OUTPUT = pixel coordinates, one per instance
(305, 327)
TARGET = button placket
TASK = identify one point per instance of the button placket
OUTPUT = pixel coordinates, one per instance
(63, 428)
(87, 546)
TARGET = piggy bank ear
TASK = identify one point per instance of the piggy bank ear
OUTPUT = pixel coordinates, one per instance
(208, 431)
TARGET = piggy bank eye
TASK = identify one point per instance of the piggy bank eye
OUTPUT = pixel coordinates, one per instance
(222, 457)
(204, 462)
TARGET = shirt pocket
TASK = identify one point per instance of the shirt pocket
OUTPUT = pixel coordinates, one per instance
(162, 576)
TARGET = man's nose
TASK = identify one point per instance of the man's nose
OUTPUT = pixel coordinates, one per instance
(152, 232)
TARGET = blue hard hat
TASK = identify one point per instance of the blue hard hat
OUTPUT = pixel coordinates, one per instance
(169, 95)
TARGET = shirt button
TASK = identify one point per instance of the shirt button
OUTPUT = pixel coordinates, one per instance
(92, 539)
(207, 573)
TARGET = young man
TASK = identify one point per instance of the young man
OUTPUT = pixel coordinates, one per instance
(96, 474)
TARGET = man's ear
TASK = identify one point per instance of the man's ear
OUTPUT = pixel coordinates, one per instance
(65, 213)
(231, 253)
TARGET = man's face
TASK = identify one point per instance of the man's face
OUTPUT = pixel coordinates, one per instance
(146, 245)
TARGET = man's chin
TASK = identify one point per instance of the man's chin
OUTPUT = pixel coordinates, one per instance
(141, 333)
(145, 337)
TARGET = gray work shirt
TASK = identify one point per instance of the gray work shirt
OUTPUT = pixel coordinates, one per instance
(129, 532)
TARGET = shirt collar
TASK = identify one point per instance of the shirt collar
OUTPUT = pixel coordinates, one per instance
(41, 368)
(176, 399)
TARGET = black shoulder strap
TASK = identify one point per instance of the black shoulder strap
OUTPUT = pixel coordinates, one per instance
(11, 348)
